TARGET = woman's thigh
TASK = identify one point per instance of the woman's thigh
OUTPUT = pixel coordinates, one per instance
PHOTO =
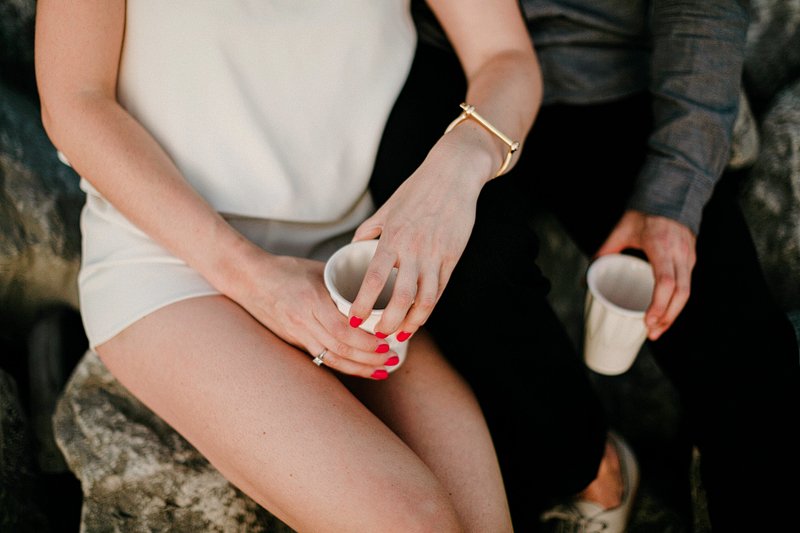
(287, 433)
(435, 412)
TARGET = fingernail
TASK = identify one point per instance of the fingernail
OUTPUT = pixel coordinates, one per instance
(380, 374)
(381, 335)
(403, 335)
(393, 360)
(355, 321)
(383, 348)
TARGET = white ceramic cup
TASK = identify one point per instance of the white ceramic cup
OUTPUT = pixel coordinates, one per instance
(344, 273)
(620, 290)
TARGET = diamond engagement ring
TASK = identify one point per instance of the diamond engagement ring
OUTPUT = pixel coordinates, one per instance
(318, 360)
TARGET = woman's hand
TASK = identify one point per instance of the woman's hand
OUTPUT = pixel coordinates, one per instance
(423, 228)
(288, 296)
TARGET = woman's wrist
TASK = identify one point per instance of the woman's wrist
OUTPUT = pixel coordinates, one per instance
(470, 113)
(231, 260)
(478, 150)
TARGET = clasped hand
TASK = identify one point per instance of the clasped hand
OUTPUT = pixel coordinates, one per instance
(423, 229)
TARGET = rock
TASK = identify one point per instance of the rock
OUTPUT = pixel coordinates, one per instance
(771, 198)
(17, 476)
(40, 204)
(16, 43)
(745, 143)
(772, 55)
(137, 473)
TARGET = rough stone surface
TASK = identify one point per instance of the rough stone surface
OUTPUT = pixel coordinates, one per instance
(17, 477)
(136, 472)
(772, 56)
(771, 198)
(745, 143)
(16, 42)
(40, 205)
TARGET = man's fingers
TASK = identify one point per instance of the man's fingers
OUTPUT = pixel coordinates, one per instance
(680, 296)
(665, 283)
(623, 236)
(614, 244)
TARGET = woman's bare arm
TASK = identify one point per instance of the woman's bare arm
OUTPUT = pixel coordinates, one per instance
(503, 77)
(425, 225)
(78, 46)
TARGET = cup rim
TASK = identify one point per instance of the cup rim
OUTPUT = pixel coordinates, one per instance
(327, 273)
(591, 273)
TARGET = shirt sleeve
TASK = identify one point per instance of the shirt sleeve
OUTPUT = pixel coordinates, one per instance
(696, 67)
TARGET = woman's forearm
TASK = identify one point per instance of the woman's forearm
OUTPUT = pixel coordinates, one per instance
(503, 77)
(507, 92)
(78, 50)
(114, 153)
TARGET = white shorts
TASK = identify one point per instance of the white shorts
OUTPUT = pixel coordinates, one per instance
(125, 275)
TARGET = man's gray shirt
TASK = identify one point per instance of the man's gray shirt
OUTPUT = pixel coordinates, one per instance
(687, 54)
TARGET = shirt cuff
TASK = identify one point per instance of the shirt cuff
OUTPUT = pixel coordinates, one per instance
(673, 189)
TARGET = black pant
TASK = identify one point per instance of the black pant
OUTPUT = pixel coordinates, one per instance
(732, 353)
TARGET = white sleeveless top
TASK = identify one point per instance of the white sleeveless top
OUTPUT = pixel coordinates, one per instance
(270, 108)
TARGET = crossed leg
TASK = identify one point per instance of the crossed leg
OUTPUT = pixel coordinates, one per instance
(298, 442)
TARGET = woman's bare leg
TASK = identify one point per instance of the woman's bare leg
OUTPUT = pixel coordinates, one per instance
(433, 410)
(287, 433)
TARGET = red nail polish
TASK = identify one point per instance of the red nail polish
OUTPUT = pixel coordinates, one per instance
(403, 335)
(380, 374)
(383, 348)
(381, 335)
(392, 361)
(355, 321)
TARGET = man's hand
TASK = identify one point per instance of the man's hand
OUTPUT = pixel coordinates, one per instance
(670, 248)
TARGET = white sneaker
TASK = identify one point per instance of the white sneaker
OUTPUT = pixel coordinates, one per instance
(581, 516)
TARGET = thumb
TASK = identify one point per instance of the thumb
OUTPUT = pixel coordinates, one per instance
(619, 240)
(369, 229)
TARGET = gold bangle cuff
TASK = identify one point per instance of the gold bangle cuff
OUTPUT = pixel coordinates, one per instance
(469, 112)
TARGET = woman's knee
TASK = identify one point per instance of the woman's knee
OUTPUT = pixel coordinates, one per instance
(422, 511)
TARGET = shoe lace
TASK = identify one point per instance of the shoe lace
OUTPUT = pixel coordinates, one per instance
(570, 520)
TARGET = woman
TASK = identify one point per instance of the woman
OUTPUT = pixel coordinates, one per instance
(221, 143)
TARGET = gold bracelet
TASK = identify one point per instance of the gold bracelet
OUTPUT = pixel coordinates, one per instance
(469, 112)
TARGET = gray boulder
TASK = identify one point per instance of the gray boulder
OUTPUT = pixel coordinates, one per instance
(16, 42)
(745, 143)
(137, 473)
(771, 198)
(40, 204)
(772, 56)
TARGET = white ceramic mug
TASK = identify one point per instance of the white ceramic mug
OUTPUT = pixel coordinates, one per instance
(344, 273)
(620, 290)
